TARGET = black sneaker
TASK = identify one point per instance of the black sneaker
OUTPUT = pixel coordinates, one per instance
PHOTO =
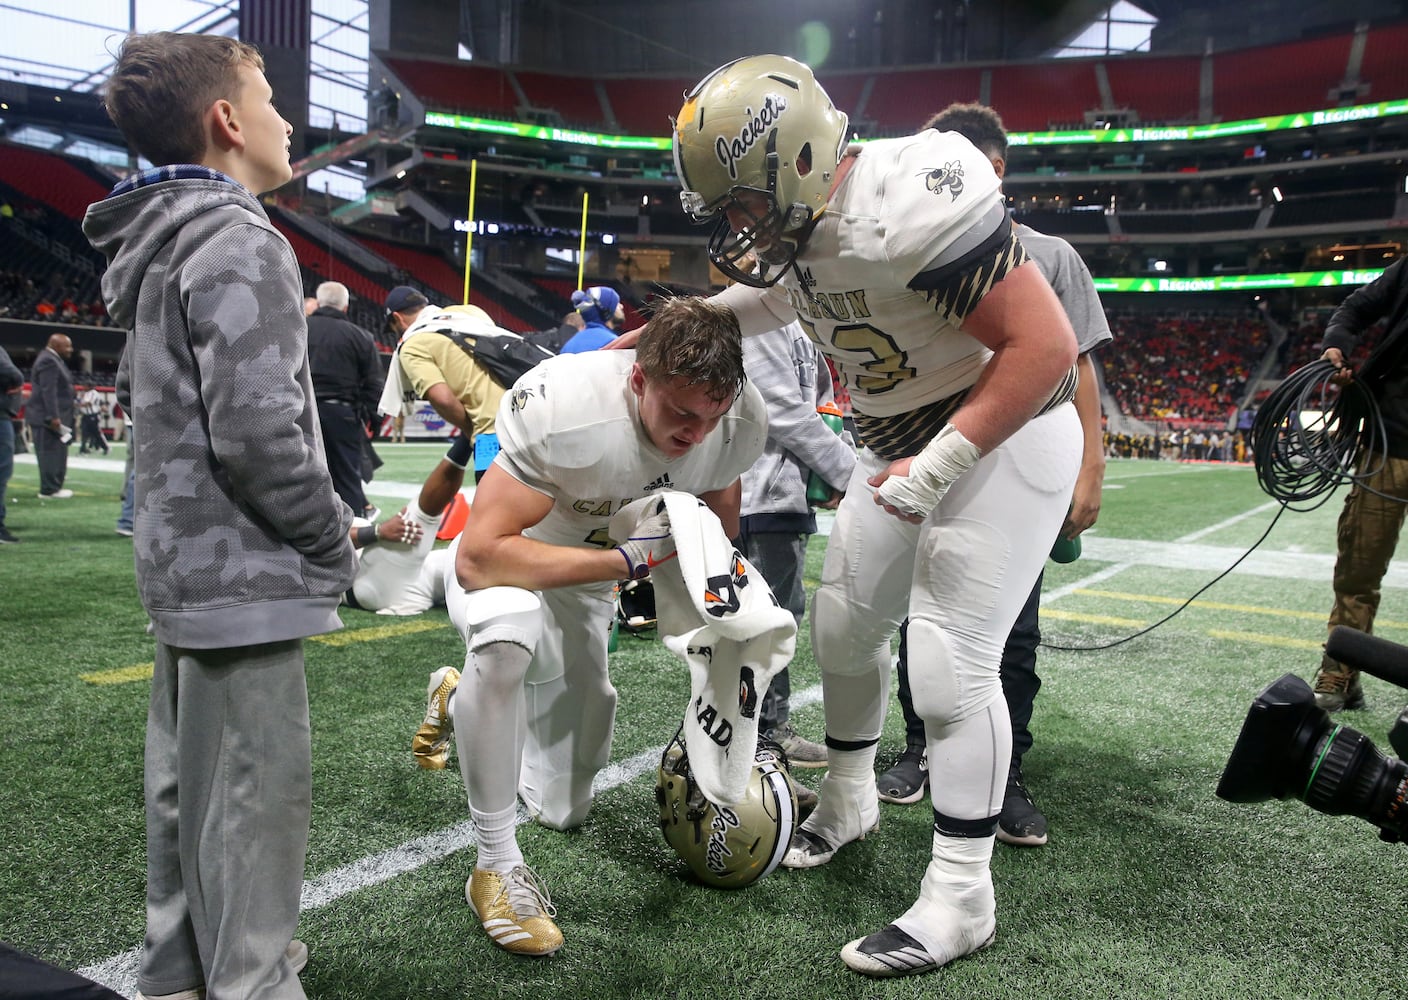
(1021, 822)
(905, 783)
(6, 538)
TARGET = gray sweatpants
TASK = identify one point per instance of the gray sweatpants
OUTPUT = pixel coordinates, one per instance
(228, 799)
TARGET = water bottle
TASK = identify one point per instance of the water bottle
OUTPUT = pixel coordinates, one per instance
(1065, 550)
(817, 489)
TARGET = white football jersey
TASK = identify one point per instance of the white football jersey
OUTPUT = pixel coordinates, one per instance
(571, 430)
(903, 204)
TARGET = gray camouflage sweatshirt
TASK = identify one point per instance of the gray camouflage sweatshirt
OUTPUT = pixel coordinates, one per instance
(239, 536)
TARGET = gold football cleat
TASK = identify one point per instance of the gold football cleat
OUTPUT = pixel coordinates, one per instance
(515, 910)
(431, 744)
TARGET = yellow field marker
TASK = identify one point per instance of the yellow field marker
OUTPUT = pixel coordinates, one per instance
(1076, 616)
(348, 636)
(1284, 642)
(143, 671)
(1113, 595)
(121, 675)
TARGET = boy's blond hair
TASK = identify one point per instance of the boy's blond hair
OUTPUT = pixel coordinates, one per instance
(163, 84)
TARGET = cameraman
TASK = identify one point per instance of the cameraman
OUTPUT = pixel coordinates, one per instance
(1370, 522)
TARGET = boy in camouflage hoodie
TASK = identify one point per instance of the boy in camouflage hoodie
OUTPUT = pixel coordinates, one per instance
(241, 544)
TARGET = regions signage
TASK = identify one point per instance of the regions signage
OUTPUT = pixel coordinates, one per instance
(1123, 134)
(545, 133)
(1187, 133)
(1240, 282)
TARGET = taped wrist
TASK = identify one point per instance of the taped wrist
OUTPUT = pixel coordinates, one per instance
(366, 535)
(932, 472)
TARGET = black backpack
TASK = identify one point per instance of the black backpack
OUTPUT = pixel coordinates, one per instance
(505, 356)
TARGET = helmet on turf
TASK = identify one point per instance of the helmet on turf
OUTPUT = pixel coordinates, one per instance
(759, 139)
(728, 846)
(635, 606)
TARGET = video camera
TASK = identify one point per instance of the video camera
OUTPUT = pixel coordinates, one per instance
(1289, 746)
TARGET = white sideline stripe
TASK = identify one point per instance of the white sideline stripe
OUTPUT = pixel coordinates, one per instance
(119, 973)
(376, 488)
(1185, 553)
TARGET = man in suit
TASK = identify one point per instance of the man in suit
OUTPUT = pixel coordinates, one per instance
(49, 414)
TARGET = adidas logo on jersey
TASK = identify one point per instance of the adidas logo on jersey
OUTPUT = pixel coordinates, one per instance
(663, 483)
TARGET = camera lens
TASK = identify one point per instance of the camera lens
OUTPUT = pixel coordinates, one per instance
(1289, 747)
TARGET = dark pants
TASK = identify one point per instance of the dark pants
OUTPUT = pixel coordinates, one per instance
(1019, 680)
(780, 557)
(7, 461)
(343, 441)
(1367, 536)
(91, 431)
(52, 456)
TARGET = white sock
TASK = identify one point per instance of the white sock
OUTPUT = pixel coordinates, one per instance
(498, 839)
(850, 806)
(956, 911)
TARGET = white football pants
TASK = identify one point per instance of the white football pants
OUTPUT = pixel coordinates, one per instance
(543, 731)
(961, 577)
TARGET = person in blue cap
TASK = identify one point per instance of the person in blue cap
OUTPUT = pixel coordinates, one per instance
(600, 307)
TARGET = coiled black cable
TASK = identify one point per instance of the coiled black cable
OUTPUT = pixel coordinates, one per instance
(1309, 435)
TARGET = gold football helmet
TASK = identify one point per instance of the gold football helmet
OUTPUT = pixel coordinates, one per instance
(728, 846)
(759, 139)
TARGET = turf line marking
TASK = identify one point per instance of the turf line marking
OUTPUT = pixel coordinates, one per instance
(119, 973)
(1262, 639)
(120, 675)
(1236, 519)
(347, 637)
(1114, 595)
(1076, 616)
(143, 671)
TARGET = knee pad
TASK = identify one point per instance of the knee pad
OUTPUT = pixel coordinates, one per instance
(843, 642)
(565, 802)
(503, 614)
(945, 687)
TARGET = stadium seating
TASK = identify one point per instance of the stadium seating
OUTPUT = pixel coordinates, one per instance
(1296, 76)
(458, 86)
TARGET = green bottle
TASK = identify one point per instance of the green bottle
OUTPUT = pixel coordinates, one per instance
(817, 489)
(1065, 550)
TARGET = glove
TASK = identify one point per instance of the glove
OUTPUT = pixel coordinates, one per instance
(650, 544)
(931, 473)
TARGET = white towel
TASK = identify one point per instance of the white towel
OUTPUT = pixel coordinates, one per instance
(717, 613)
(397, 397)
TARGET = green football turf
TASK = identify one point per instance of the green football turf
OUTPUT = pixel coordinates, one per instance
(1150, 886)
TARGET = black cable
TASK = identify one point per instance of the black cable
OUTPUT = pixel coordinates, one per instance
(1201, 590)
(1309, 436)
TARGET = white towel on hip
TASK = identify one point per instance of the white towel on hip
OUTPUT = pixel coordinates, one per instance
(717, 613)
(398, 396)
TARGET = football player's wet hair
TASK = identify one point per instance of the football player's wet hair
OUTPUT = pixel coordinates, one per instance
(978, 123)
(691, 338)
